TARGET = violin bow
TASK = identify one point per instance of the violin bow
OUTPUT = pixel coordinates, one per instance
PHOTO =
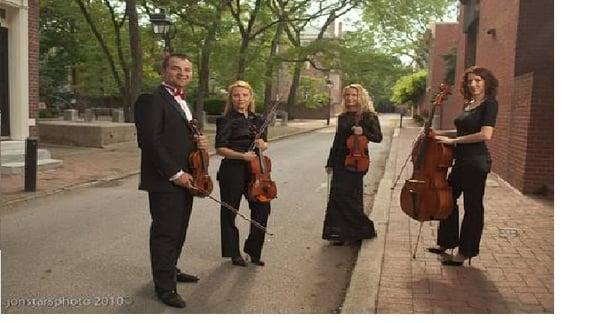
(265, 124)
(231, 208)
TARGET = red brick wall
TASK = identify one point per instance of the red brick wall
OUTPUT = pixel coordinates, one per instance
(519, 130)
(497, 52)
(454, 104)
(534, 57)
(34, 49)
(445, 39)
(515, 41)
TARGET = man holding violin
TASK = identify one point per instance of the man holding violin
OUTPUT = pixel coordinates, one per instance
(166, 140)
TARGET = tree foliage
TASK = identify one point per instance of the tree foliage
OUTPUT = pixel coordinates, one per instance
(410, 88)
(87, 47)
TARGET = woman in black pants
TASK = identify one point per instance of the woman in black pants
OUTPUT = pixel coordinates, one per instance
(472, 163)
(233, 140)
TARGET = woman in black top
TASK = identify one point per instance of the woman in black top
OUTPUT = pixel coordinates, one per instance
(345, 220)
(472, 163)
(232, 141)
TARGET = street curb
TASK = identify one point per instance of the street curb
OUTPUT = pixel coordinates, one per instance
(361, 295)
(15, 202)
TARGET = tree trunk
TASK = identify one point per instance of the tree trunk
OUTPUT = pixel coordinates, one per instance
(242, 58)
(270, 65)
(203, 66)
(294, 87)
(136, 58)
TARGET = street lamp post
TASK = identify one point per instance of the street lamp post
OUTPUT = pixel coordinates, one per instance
(163, 26)
(329, 86)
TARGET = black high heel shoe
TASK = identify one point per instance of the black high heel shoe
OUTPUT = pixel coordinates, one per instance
(452, 262)
(437, 250)
(257, 261)
(239, 261)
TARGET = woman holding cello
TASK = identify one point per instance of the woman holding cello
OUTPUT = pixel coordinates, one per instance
(233, 140)
(345, 219)
(472, 163)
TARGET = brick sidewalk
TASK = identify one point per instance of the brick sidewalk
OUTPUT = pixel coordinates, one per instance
(514, 272)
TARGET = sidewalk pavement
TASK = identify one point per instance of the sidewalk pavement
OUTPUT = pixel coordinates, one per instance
(514, 272)
(84, 166)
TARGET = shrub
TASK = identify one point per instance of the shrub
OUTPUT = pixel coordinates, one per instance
(48, 113)
(214, 105)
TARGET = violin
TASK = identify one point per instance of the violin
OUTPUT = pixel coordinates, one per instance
(261, 187)
(198, 162)
(202, 185)
(357, 154)
(427, 195)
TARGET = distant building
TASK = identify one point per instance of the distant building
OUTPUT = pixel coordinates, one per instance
(515, 40)
(19, 50)
(283, 80)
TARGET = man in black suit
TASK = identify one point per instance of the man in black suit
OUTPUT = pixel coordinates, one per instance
(162, 120)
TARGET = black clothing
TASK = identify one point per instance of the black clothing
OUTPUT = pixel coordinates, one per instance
(468, 175)
(470, 122)
(166, 141)
(345, 218)
(233, 132)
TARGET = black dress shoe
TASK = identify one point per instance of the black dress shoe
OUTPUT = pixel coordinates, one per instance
(239, 261)
(337, 242)
(436, 250)
(257, 261)
(173, 299)
(186, 278)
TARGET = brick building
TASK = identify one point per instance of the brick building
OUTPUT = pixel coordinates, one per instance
(284, 75)
(444, 40)
(19, 51)
(514, 39)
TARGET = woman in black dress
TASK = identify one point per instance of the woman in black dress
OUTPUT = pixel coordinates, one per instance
(233, 140)
(345, 220)
(472, 163)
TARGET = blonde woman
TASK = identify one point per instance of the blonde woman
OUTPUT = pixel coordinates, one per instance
(345, 219)
(232, 141)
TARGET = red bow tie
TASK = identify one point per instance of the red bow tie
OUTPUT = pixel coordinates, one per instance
(176, 92)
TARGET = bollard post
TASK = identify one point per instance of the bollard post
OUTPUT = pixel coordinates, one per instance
(401, 117)
(31, 146)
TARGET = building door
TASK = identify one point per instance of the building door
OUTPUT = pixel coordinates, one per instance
(4, 82)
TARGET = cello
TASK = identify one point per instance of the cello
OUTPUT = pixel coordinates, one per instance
(198, 162)
(261, 187)
(427, 195)
(357, 155)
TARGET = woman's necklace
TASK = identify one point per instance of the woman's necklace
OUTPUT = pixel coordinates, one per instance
(474, 104)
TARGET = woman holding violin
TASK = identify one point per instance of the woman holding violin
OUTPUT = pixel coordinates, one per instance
(474, 126)
(345, 219)
(235, 136)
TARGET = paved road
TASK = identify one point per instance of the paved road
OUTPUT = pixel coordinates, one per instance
(86, 251)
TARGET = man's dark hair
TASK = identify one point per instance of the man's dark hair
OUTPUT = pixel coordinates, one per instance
(165, 62)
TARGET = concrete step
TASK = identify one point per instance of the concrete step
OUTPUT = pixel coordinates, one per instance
(18, 167)
(12, 159)
(11, 156)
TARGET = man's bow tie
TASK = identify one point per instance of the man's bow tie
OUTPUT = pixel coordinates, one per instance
(176, 92)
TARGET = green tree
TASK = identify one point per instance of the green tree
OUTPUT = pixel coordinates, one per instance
(410, 88)
(402, 24)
